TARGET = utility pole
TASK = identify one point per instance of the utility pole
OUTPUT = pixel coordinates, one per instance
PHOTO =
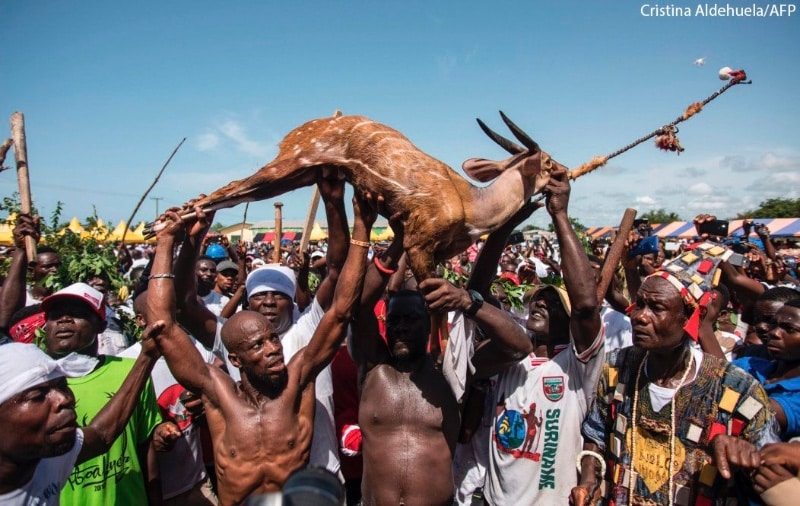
(157, 199)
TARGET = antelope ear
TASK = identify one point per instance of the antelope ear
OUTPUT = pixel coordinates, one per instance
(480, 169)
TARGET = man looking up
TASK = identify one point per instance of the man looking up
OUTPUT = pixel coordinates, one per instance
(541, 400)
(271, 291)
(75, 316)
(40, 441)
(262, 426)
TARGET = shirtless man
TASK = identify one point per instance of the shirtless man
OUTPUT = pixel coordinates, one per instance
(261, 427)
(409, 414)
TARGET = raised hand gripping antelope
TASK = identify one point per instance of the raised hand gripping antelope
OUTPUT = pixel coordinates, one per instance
(442, 212)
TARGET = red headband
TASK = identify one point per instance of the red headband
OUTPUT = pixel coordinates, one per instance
(24, 330)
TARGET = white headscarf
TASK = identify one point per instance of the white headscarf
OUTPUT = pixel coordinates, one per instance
(23, 366)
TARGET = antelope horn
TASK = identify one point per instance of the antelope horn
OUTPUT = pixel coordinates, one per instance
(520, 135)
(504, 143)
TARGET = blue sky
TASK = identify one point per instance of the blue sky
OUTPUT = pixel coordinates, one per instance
(108, 89)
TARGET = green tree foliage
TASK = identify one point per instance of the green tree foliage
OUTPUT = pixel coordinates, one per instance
(82, 256)
(774, 208)
(659, 216)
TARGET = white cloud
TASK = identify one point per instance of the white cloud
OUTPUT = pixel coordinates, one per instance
(235, 132)
(777, 184)
(700, 189)
(773, 162)
(207, 141)
(646, 200)
(704, 206)
(231, 133)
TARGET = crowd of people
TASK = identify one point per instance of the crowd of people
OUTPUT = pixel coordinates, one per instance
(246, 368)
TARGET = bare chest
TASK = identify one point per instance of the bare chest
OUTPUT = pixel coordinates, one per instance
(392, 398)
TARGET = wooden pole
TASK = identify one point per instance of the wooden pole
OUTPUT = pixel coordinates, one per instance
(21, 156)
(615, 253)
(310, 217)
(276, 244)
(144, 195)
(244, 220)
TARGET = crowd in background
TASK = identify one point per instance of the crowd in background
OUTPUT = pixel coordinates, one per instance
(748, 313)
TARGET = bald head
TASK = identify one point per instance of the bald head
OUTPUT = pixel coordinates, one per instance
(241, 325)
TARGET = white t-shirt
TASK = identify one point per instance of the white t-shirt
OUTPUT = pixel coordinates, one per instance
(536, 435)
(325, 444)
(216, 302)
(112, 341)
(617, 327)
(48, 479)
(182, 467)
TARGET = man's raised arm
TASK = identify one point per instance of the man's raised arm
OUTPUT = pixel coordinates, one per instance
(110, 421)
(194, 315)
(12, 291)
(578, 276)
(182, 357)
(332, 192)
(332, 328)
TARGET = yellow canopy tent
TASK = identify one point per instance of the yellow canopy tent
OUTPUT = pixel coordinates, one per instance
(100, 231)
(386, 235)
(76, 228)
(116, 234)
(374, 235)
(317, 234)
(137, 235)
(6, 237)
(75, 225)
(6, 230)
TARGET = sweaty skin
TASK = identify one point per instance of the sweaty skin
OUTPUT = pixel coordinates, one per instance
(262, 426)
(406, 422)
(258, 442)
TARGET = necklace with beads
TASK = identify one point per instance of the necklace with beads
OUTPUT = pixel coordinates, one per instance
(632, 478)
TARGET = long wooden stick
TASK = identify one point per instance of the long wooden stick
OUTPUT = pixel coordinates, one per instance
(21, 156)
(276, 242)
(244, 220)
(144, 196)
(690, 111)
(615, 253)
(310, 217)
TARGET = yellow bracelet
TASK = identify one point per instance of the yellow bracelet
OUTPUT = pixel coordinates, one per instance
(359, 243)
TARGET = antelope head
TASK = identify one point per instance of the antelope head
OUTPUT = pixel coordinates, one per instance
(534, 165)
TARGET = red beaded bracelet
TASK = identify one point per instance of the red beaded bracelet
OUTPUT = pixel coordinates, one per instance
(382, 267)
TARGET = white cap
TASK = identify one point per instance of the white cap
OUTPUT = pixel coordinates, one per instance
(80, 291)
(271, 278)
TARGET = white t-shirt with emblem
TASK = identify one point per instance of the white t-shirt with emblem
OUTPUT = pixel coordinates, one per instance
(536, 435)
